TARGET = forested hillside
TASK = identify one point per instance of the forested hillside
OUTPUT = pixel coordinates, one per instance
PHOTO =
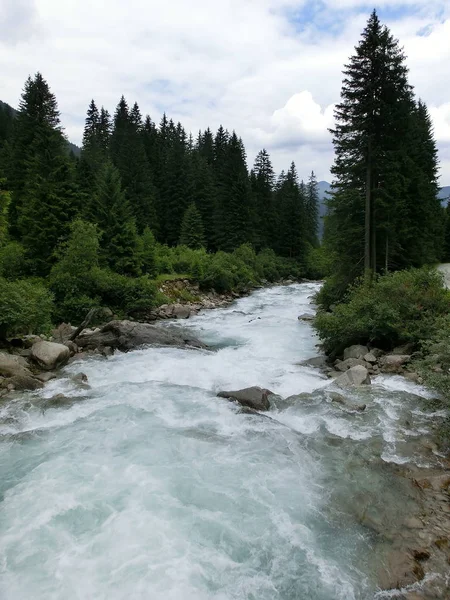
(96, 229)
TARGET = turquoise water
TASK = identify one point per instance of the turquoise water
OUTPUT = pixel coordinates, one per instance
(147, 486)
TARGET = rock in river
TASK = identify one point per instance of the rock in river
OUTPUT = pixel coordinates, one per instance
(49, 355)
(355, 376)
(127, 335)
(253, 397)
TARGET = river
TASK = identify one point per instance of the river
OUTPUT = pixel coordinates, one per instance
(147, 486)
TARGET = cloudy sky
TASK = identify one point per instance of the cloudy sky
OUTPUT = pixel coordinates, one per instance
(270, 69)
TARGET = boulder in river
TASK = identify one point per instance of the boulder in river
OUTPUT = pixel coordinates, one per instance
(356, 351)
(393, 363)
(253, 397)
(11, 365)
(49, 355)
(339, 399)
(22, 382)
(317, 362)
(355, 376)
(306, 317)
(345, 365)
(127, 335)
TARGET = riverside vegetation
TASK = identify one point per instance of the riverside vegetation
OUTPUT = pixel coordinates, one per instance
(385, 227)
(140, 203)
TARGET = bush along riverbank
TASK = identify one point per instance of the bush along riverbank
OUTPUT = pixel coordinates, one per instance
(400, 325)
(403, 320)
(103, 332)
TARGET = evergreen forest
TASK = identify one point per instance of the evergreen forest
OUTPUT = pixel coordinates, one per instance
(142, 201)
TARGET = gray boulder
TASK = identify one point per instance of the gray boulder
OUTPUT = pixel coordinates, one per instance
(62, 333)
(317, 362)
(22, 383)
(356, 351)
(253, 397)
(355, 376)
(338, 399)
(306, 317)
(11, 365)
(344, 365)
(49, 355)
(180, 311)
(46, 376)
(127, 335)
(393, 363)
(370, 358)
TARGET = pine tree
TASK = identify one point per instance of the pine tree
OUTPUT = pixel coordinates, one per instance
(120, 241)
(291, 215)
(40, 174)
(148, 253)
(204, 196)
(192, 233)
(262, 178)
(371, 205)
(5, 199)
(94, 154)
(128, 155)
(312, 210)
(177, 191)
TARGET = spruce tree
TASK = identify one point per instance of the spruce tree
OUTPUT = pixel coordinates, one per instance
(192, 232)
(41, 177)
(262, 179)
(312, 210)
(291, 215)
(5, 199)
(373, 205)
(120, 241)
(128, 155)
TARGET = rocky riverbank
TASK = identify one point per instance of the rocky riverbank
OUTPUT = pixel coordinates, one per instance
(417, 549)
(29, 362)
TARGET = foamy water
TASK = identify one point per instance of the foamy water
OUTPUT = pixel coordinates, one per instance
(147, 486)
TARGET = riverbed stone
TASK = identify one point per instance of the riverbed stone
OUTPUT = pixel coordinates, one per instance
(317, 362)
(306, 317)
(22, 383)
(339, 399)
(356, 351)
(393, 363)
(127, 335)
(50, 355)
(355, 376)
(253, 397)
(11, 365)
(46, 376)
(181, 311)
(344, 365)
(370, 358)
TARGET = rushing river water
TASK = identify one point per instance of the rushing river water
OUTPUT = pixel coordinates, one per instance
(147, 486)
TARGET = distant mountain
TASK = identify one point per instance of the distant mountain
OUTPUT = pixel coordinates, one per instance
(71, 147)
(444, 195)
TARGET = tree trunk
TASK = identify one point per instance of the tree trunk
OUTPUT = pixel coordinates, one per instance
(368, 215)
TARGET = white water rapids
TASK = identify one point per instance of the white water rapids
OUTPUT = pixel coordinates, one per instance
(147, 486)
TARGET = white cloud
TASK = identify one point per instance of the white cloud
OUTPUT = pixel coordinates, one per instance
(242, 63)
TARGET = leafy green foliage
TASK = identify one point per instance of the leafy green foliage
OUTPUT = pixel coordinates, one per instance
(25, 307)
(13, 261)
(398, 308)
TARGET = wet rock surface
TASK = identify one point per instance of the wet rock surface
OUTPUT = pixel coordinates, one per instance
(128, 335)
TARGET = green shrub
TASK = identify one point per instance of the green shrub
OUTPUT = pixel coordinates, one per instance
(25, 307)
(13, 262)
(398, 308)
(318, 262)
